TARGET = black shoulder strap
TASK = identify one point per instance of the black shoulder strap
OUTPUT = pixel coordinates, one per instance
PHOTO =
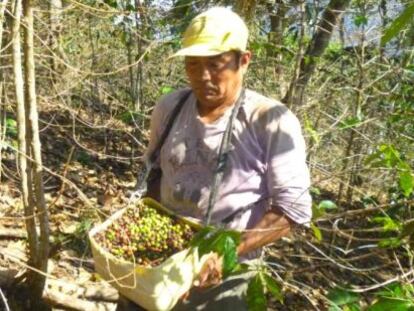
(223, 157)
(170, 122)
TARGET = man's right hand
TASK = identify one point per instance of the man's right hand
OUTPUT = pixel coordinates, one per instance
(211, 272)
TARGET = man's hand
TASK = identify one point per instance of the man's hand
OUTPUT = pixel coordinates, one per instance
(211, 272)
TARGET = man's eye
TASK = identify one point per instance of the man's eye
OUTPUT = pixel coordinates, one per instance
(214, 65)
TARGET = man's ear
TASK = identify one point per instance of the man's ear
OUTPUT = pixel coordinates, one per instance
(245, 60)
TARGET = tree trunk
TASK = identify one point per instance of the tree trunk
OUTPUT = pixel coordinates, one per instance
(2, 126)
(36, 279)
(246, 9)
(24, 166)
(318, 44)
(299, 55)
(3, 5)
(55, 8)
(277, 27)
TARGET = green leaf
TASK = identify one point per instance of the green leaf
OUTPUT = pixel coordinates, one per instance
(352, 307)
(398, 24)
(256, 299)
(360, 20)
(394, 304)
(341, 297)
(350, 122)
(111, 3)
(397, 290)
(386, 156)
(223, 242)
(199, 238)
(316, 232)
(83, 157)
(166, 90)
(316, 212)
(229, 255)
(390, 243)
(130, 116)
(273, 287)
(388, 224)
(315, 191)
(11, 127)
(406, 182)
(311, 131)
(240, 268)
(257, 47)
(327, 205)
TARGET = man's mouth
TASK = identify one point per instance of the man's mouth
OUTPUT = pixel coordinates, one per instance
(207, 90)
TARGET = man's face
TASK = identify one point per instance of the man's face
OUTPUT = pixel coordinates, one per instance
(216, 80)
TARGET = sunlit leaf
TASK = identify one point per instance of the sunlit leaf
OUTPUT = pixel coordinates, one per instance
(11, 127)
(256, 299)
(229, 250)
(273, 287)
(223, 242)
(316, 212)
(360, 20)
(340, 297)
(316, 232)
(327, 205)
(390, 243)
(166, 90)
(352, 307)
(398, 24)
(385, 156)
(406, 182)
(311, 131)
(388, 224)
(394, 304)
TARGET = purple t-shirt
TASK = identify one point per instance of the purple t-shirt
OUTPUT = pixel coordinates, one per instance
(266, 166)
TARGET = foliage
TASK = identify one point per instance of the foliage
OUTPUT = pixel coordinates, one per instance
(261, 284)
(388, 157)
(397, 296)
(11, 127)
(78, 240)
(399, 23)
(343, 300)
(223, 242)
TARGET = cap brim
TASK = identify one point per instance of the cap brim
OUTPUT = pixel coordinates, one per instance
(197, 50)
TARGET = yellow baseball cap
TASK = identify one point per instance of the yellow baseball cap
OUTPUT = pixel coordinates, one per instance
(213, 32)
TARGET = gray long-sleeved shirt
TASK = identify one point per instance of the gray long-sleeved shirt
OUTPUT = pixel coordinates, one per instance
(266, 162)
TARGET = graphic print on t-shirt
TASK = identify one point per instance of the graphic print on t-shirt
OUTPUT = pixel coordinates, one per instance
(193, 162)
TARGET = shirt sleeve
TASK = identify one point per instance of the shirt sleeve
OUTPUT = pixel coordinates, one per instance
(287, 174)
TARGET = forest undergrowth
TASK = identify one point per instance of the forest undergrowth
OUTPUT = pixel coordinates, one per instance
(339, 256)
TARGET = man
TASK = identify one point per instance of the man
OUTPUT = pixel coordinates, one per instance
(263, 191)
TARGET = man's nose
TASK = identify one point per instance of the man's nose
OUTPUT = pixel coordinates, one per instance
(205, 73)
